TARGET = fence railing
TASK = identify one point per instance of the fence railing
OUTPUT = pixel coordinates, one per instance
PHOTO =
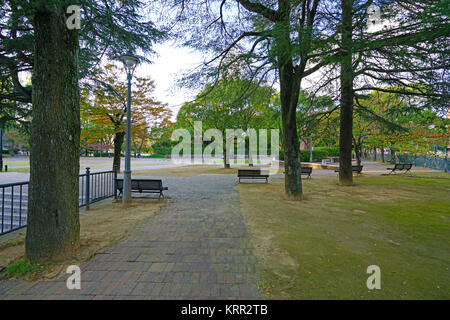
(14, 205)
(433, 162)
(93, 187)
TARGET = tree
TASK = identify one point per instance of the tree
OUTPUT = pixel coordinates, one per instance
(53, 228)
(17, 140)
(392, 120)
(160, 138)
(35, 39)
(346, 101)
(410, 51)
(140, 136)
(105, 106)
(226, 105)
(108, 29)
(281, 40)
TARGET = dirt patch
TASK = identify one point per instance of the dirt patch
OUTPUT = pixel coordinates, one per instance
(105, 224)
(12, 249)
(186, 171)
(193, 171)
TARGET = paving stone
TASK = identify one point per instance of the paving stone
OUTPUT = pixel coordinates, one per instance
(143, 288)
(195, 247)
(152, 277)
(157, 267)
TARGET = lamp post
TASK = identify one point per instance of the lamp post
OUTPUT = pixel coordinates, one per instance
(1, 149)
(129, 62)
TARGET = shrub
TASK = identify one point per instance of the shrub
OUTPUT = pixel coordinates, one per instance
(101, 154)
(162, 150)
(331, 152)
(318, 155)
(159, 156)
(22, 268)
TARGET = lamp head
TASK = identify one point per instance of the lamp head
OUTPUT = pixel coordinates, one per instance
(129, 62)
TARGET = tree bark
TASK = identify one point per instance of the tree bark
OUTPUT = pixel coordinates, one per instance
(118, 142)
(292, 179)
(53, 230)
(358, 148)
(226, 163)
(290, 79)
(382, 154)
(346, 101)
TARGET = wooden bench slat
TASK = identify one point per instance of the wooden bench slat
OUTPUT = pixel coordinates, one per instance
(251, 174)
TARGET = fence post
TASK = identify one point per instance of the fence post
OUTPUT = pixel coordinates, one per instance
(115, 181)
(88, 174)
(445, 159)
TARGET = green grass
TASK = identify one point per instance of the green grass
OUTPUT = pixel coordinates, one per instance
(24, 269)
(11, 243)
(17, 170)
(320, 248)
(16, 163)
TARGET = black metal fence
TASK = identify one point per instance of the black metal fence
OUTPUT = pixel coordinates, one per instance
(14, 202)
(433, 162)
(94, 186)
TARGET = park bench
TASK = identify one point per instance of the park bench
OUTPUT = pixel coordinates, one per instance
(306, 170)
(252, 174)
(356, 169)
(143, 186)
(400, 167)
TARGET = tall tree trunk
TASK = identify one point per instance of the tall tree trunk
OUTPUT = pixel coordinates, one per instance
(118, 142)
(358, 152)
(292, 179)
(382, 154)
(374, 153)
(346, 79)
(53, 230)
(290, 79)
(226, 163)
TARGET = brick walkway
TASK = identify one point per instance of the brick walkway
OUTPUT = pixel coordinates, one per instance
(196, 247)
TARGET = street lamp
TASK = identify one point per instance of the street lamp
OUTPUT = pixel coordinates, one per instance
(129, 62)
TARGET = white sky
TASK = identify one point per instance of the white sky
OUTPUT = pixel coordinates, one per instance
(166, 68)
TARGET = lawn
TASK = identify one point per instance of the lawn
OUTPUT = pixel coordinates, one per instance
(23, 170)
(320, 248)
(16, 163)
